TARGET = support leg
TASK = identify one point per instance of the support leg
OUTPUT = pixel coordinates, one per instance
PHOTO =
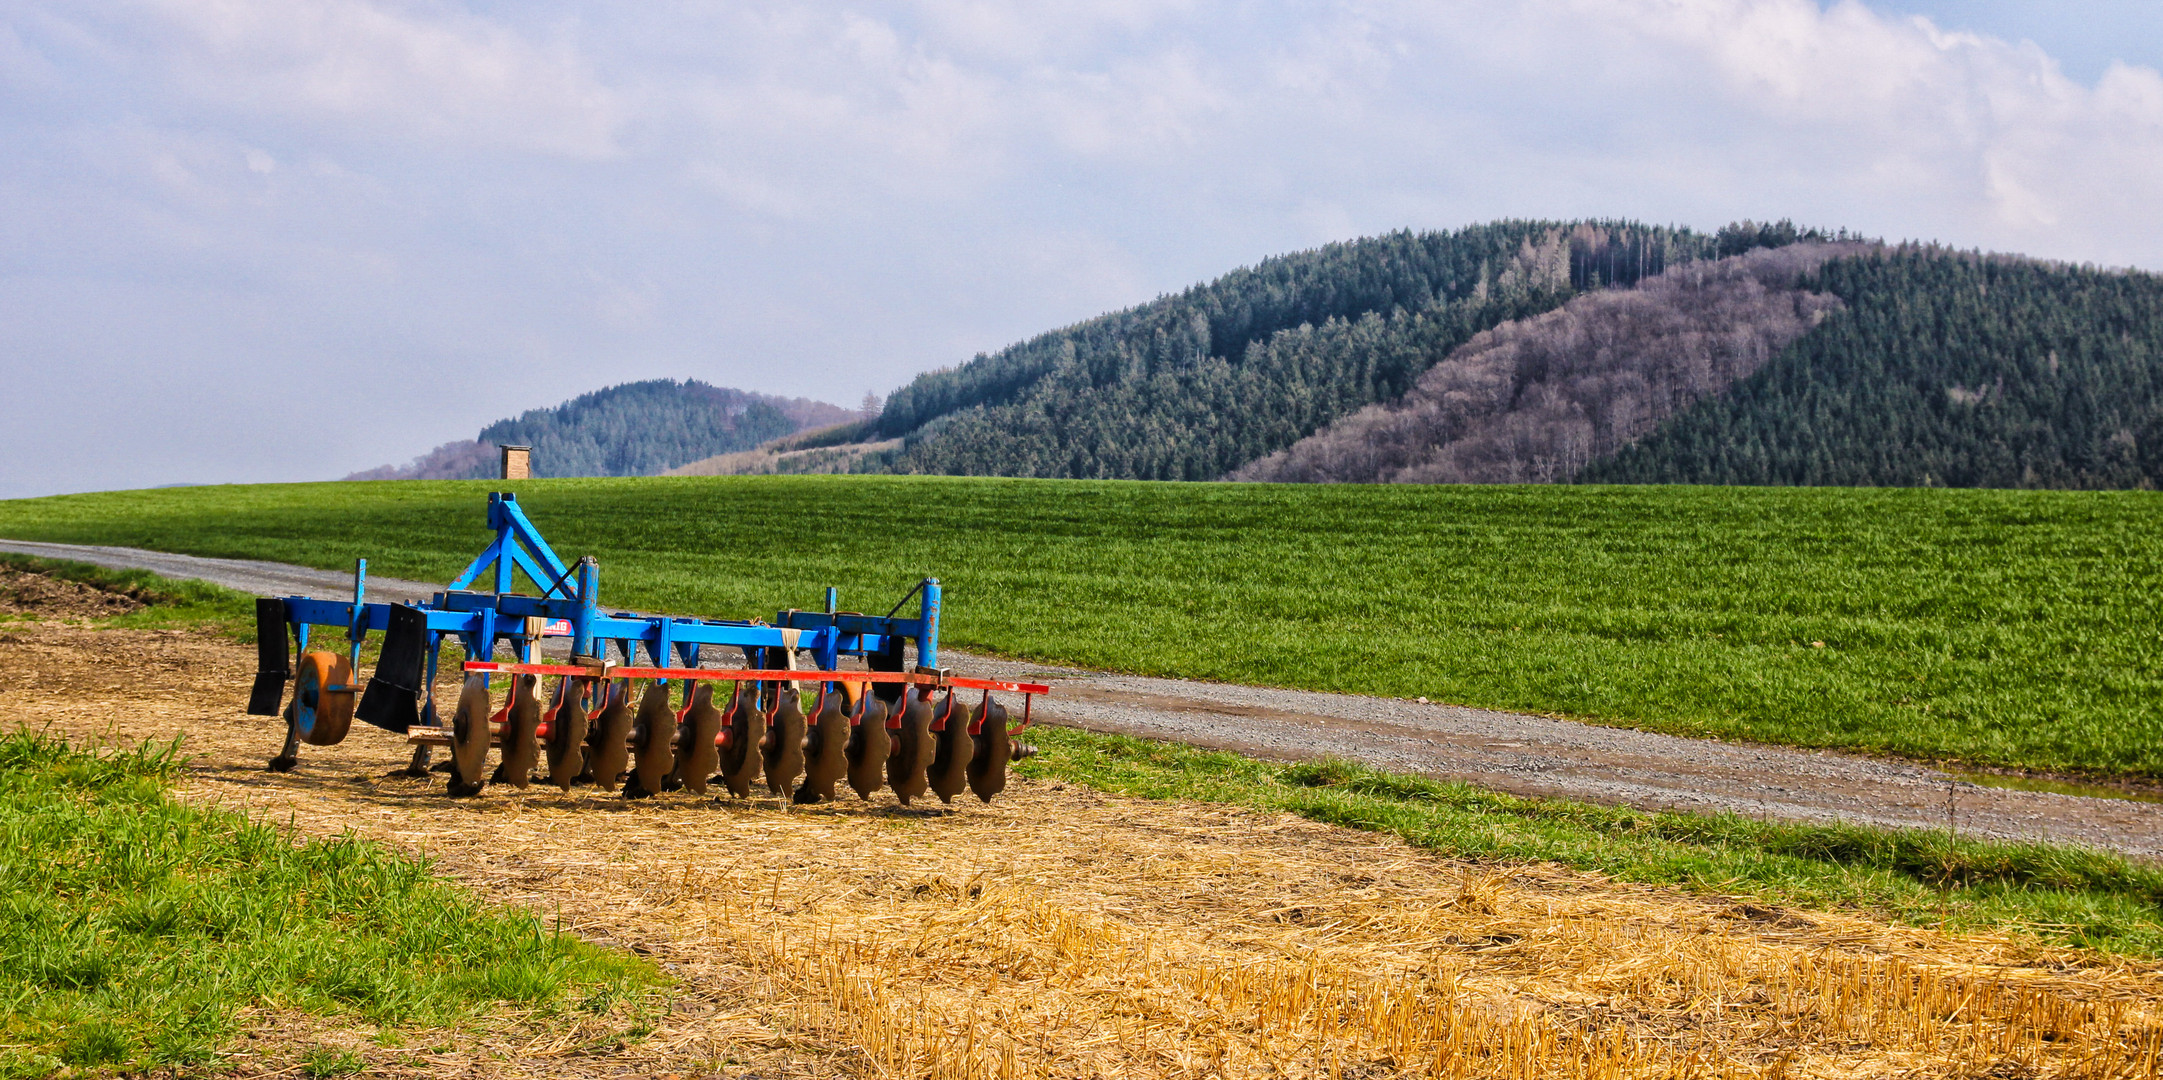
(290, 756)
(418, 767)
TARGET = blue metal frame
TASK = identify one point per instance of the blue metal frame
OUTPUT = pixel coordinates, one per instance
(482, 620)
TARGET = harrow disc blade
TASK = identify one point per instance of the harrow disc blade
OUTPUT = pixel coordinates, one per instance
(747, 728)
(651, 734)
(696, 755)
(994, 748)
(784, 746)
(825, 748)
(608, 736)
(911, 759)
(868, 746)
(732, 753)
(952, 748)
(321, 714)
(469, 738)
(521, 733)
(567, 725)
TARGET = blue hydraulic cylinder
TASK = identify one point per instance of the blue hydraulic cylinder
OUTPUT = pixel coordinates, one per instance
(356, 625)
(589, 589)
(927, 645)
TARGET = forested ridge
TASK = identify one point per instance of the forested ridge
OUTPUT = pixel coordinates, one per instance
(1193, 385)
(633, 429)
(1513, 352)
(1944, 368)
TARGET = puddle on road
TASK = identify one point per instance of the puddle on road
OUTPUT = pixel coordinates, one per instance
(2060, 787)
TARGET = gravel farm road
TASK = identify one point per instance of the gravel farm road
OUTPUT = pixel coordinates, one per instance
(1525, 755)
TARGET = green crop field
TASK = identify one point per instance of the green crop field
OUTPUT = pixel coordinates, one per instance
(1992, 627)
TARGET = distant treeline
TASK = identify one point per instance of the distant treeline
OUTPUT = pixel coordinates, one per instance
(635, 429)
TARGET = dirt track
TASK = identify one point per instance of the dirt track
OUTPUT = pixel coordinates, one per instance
(1527, 755)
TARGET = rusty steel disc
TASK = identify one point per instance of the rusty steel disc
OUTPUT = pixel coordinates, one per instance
(825, 747)
(696, 730)
(907, 769)
(987, 765)
(740, 763)
(521, 733)
(653, 735)
(608, 736)
(567, 725)
(868, 746)
(469, 738)
(952, 748)
(784, 749)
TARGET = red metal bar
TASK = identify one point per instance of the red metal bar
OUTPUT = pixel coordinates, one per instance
(753, 675)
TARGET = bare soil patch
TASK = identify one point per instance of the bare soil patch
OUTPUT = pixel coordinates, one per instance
(23, 593)
(1060, 932)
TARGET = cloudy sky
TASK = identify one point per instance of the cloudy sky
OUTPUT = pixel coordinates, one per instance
(250, 240)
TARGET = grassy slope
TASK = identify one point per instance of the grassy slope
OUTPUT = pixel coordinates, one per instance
(134, 928)
(2004, 627)
(1921, 878)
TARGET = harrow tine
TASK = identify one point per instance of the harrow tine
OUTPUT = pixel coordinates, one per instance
(994, 748)
(696, 731)
(273, 663)
(469, 738)
(608, 735)
(392, 700)
(906, 769)
(567, 724)
(747, 728)
(651, 734)
(784, 746)
(953, 748)
(825, 747)
(521, 734)
(868, 746)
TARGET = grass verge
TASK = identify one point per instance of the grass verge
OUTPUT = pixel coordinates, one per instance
(2060, 894)
(135, 929)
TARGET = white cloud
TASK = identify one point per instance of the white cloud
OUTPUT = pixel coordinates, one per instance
(462, 211)
(418, 74)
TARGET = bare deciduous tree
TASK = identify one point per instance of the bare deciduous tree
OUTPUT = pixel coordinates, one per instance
(1536, 401)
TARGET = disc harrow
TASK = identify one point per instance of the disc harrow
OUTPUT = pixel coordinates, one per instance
(791, 719)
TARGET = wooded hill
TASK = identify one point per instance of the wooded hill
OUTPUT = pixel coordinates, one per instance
(1194, 385)
(1582, 352)
(635, 429)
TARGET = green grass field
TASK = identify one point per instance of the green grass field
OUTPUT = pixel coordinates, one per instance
(134, 928)
(1991, 627)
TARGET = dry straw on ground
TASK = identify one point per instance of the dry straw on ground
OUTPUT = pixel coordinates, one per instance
(1068, 934)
